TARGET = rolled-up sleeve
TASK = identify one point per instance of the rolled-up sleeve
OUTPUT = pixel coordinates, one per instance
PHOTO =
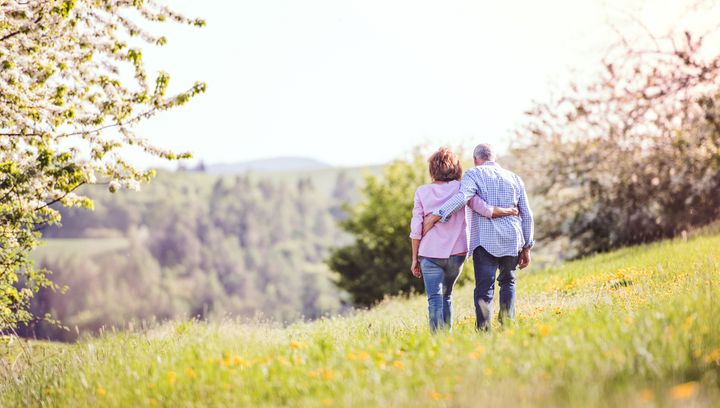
(416, 222)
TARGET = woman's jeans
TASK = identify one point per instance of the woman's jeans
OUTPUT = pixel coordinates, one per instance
(439, 275)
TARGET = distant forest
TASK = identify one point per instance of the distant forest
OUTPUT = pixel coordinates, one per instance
(194, 245)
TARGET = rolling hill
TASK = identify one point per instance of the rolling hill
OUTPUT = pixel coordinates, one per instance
(269, 165)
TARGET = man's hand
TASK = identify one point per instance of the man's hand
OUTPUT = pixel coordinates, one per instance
(524, 258)
(429, 221)
(504, 212)
(415, 268)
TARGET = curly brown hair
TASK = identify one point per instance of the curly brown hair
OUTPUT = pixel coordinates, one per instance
(445, 165)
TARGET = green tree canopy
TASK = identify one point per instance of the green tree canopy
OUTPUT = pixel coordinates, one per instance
(377, 263)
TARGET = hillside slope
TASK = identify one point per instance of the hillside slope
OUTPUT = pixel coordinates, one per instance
(636, 327)
(269, 165)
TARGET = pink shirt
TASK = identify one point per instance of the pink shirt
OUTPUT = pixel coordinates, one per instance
(447, 238)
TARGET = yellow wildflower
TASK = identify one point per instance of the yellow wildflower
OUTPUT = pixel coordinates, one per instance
(398, 364)
(713, 356)
(296, 344)
(239, 361)
(543, 329)
(687, 324)
(487, 371)
(190, 373)
(646, 395)
(324, 373)
(152, 401)
(684, 391)
(362, 356)
(436, 396)
(101, 392)
(327, 374)
(171, 377)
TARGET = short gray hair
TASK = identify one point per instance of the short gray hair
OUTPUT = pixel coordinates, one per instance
(484, 152)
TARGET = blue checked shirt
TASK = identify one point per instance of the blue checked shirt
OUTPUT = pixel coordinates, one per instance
(504, 236)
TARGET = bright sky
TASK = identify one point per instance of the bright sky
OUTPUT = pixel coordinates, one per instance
(354, 82)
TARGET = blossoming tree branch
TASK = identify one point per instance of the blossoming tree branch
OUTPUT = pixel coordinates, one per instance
(67, 108)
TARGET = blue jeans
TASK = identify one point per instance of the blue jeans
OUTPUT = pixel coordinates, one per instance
(486, 265)
(439, 276)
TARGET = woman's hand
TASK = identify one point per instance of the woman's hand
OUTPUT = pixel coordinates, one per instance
(415, 268)
(429, 221)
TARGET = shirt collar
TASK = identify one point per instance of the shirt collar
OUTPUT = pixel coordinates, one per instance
(490, 163)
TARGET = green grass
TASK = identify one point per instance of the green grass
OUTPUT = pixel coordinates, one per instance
(635, 327)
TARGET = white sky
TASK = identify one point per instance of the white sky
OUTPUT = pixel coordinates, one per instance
(355, 82)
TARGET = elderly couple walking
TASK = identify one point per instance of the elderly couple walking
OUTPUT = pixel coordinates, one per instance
(496, 227)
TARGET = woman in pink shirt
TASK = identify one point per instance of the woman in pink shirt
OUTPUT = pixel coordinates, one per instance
(438, 256)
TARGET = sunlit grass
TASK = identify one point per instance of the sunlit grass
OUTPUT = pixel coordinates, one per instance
(634, 327)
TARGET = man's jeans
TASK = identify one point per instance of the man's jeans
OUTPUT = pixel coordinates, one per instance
(485, 266)
(439, 276)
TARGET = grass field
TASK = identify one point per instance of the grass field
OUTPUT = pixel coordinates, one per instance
(636, 327)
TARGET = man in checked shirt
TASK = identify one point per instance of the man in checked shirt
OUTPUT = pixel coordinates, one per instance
(495, 243)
